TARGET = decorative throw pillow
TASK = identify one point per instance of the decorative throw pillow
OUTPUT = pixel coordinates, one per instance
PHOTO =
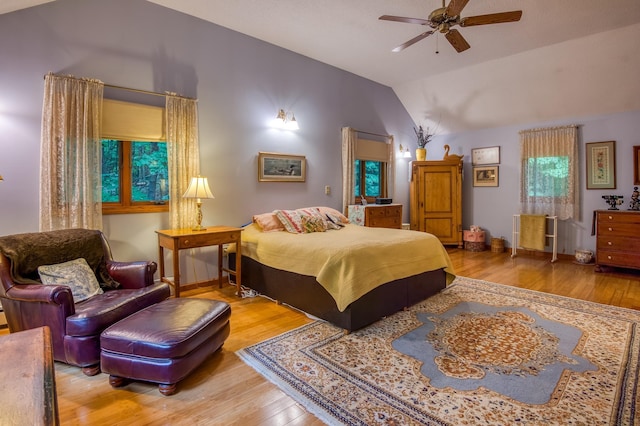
(328, 210)
(75, 274)
(312, 220)
(302, 221)
(268, 222)
(291, 220)
(334, 222)
(312, 223)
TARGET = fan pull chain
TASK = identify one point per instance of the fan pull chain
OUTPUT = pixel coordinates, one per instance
(437, 38)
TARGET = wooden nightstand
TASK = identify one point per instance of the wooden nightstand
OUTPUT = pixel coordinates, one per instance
(178, 239)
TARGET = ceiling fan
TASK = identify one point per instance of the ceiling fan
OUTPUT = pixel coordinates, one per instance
(442, 19)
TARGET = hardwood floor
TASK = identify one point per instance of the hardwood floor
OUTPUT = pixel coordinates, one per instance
(225, 391)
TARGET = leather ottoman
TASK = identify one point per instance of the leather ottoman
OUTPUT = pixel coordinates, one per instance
(164, 342)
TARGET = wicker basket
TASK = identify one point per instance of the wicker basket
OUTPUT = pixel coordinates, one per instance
(497, 245)
(474, 245)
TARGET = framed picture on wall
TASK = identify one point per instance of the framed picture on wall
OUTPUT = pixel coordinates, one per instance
(636, 165)
(485, 176)
(490, 155)
(281, 167)
(601, 165)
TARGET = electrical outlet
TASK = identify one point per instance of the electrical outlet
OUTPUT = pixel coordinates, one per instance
(327, 190)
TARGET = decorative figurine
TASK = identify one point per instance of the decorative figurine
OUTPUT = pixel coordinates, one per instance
(613, 201)
(634, 204)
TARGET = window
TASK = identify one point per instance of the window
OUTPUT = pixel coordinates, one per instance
(547, 176)
(134, 158)
(369, 179)
(549, 172)
(134, 176)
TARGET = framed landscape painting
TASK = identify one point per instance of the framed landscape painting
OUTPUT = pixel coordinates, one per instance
(485, 176)
(281, 167)
(601, 165)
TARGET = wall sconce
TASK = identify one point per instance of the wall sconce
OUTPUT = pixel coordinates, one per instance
(1, 178)
(404, 152)
(286, 120)
(198, 189)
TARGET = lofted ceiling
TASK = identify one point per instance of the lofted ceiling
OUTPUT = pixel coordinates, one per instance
(348, 34)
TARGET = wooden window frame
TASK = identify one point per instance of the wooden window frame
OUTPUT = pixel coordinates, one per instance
(383, 180)
(126, 205)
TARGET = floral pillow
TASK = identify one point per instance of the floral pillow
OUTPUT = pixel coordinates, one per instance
(75, 274)
(302, 221)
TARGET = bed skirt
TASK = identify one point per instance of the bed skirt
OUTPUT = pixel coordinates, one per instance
(305, 293)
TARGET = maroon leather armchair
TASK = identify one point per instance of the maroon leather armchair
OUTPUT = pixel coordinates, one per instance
(75, 327)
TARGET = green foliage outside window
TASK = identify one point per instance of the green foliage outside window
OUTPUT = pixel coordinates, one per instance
(110, 171)
(547, 176)
(148, 171)
(372, 173)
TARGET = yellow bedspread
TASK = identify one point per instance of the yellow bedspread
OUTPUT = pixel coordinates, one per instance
(351, 261)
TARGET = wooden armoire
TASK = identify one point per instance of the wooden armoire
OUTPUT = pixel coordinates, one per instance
(436, 199)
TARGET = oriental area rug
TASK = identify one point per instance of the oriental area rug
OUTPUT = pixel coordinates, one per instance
(477, 353)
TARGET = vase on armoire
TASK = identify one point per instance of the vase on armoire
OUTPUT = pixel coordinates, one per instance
(421, 154)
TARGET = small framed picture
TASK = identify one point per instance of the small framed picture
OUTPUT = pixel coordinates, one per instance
(636, 165)
(485, 176)
(281, 167)
(601, 165)
(490, 155)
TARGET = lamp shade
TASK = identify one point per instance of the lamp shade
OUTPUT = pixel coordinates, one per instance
(198, 188)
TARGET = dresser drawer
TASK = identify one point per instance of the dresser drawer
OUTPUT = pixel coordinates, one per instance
(620, 217)
(384, 216)
(384, 211)
(617, 258)
(623, 229)
(385, 222)
(614, 242)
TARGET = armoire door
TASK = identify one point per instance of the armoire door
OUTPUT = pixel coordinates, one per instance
(436, 200)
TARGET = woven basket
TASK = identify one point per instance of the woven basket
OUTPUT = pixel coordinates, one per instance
(474, 245)
(497, 245)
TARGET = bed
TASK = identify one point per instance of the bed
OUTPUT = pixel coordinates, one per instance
(350, 276)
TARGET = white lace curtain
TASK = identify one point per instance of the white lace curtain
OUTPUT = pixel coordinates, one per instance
(70, 159)
(349, 141)
(349, 155)
(183, 158)
(549, 172)
(71, 152)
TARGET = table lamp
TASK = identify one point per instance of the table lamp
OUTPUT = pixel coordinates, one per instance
(198, 189)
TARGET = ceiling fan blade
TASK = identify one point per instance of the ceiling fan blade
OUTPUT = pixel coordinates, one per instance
(412, 41)
(492, 18)
(403, 19)
(455, 7)
(457, 41)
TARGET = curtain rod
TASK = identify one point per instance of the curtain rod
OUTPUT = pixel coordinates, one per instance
(113, 86)
(370, 133)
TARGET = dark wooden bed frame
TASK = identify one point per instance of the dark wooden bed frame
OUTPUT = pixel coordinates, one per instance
(305, 293)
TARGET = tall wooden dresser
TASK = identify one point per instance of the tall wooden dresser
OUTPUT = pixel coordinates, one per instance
(617, 242)
(436, 199)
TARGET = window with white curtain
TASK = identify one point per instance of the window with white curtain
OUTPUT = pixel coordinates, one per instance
(549, 172)
(367, 167)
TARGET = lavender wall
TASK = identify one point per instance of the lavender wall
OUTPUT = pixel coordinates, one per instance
(493, 208)
(240, 82)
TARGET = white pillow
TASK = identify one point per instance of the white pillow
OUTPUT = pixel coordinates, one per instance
(75, 274)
